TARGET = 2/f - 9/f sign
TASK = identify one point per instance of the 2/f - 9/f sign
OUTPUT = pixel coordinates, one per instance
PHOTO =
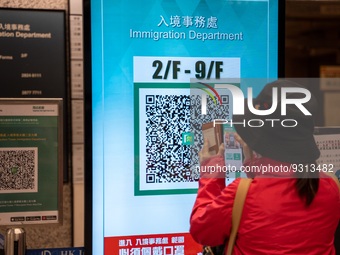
(202, 70)
(182, 69)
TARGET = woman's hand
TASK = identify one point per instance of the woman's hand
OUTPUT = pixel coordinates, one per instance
(205, 154)
(247, 151)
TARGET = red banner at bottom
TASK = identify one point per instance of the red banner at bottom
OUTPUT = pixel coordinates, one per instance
(159, 244)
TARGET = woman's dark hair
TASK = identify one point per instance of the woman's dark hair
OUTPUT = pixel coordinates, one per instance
(307, 183)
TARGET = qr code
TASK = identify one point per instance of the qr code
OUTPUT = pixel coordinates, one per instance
(168, 117)
(18, 170)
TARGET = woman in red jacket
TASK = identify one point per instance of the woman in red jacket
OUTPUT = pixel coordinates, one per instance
(292, 206)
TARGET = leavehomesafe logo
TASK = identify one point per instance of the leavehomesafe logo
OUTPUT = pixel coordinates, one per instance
(238, 105)
(187, 138)
(182, 27)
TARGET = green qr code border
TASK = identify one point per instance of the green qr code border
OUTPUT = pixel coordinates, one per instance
(137, 190)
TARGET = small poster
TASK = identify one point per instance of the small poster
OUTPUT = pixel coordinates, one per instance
(328, 141)
(30, 161)
(330, 78)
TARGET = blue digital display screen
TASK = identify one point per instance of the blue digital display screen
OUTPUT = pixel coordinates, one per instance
(143, 56)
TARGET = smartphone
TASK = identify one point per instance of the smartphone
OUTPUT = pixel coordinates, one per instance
(225, 133)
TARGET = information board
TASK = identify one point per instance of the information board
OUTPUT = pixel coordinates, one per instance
(33, 59)
(33, 53)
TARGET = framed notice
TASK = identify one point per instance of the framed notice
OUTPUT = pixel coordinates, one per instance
(31, 159)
